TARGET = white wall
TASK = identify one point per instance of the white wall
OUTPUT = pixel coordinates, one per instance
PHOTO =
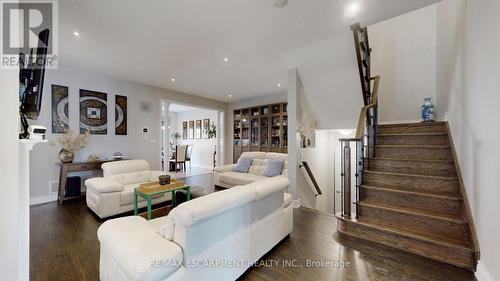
(260, 100)
(9, 159)
(321, 160)
(404, 55)
(203, 149)
(329, 73)
(470, 97)
(135, 144)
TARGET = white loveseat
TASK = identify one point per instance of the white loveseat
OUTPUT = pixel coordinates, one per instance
(225, 177)
(113, 193)
(214, 237)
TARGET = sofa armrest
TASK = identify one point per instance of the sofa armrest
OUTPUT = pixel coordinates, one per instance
(225, 168)
(155, 174)
(103, 185)
(138, 250)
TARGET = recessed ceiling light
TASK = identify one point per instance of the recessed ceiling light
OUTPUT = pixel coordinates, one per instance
(76, 33)
(279, 85)
(226, 59)
(172, 79)
(230, 95)
(352, 9)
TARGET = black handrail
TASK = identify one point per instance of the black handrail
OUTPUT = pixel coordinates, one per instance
(311, 176)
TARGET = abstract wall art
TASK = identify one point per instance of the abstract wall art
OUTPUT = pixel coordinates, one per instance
(60, 110)
(120, 115)
(93, 112)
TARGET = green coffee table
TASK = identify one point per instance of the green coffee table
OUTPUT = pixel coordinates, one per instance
(150, 190)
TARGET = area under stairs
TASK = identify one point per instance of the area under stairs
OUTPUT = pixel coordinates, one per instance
(411, 196)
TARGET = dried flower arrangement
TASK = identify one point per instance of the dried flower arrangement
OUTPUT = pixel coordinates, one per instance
(74, 142)
(306, 128)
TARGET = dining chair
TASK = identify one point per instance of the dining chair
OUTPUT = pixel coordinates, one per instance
(188, 154)
(180, 157)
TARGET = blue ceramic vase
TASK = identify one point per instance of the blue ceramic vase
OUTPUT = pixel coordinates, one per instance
(427, 110)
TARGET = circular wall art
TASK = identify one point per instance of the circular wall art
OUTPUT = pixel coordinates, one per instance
(93, 112)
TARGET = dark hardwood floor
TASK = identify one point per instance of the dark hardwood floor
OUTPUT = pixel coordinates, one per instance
(64, 246)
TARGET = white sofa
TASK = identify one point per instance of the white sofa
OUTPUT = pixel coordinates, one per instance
(225, 177)
(214, 237)
(113, 193)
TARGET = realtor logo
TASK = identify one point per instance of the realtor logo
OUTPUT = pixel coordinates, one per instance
(22, 22)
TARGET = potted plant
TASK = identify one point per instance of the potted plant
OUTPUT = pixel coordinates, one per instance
(71, 143)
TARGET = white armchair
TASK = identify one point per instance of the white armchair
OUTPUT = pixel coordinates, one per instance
(113, 193)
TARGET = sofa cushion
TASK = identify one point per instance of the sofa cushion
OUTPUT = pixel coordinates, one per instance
(275, 155)
(203, 208)
(127, 195)
(123, 167)
(234, 178)
(142, 254)
(243, 165)
(267, 186)
(103, 185)
(253, 155)
(132, 178)
(164, 226)
(273, 168)
(256, 169)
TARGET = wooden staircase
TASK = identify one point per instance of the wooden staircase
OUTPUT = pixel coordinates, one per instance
(403, 188)
(411, 196)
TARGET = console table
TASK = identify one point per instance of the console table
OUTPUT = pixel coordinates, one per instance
(66, 168)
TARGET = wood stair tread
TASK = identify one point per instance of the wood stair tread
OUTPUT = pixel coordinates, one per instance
(415, 211)
(410, 134)
(413, 146)
(417, 193)
(440, 123)
(410, 160)
(417, 235)
(411, 175)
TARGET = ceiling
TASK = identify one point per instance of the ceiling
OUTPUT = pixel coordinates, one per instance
(152, 41)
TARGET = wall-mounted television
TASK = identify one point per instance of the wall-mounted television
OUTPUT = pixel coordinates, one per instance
(31, 77)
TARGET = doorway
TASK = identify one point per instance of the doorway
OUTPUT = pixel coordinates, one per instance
(196, 132)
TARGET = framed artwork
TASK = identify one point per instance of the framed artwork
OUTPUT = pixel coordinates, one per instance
(120, 115)
(191, 129)
(198, 129)
(93, 112)
(184, 130)
(206, 126)
(60, 121)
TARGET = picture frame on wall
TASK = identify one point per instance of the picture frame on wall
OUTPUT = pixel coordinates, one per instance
(191, 129)
(120, 115)
(198, 129)
(93, 112)
(60, 110)
(184, 130)
(206, 126)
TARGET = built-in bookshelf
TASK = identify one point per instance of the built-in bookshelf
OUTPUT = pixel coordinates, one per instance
(260, 128)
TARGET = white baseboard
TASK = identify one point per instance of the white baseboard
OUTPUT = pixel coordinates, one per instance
(43, 199)
(482, 273)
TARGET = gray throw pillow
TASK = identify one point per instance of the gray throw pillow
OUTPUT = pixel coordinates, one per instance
(273, 168)
(243, 165)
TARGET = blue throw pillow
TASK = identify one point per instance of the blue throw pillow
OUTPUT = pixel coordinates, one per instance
(273, 168)
(243, 165)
